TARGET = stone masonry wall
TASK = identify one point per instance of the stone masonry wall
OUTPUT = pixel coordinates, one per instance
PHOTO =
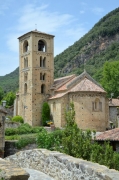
(61, 166)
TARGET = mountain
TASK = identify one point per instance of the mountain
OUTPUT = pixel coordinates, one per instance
(100, 44)
(10, 82)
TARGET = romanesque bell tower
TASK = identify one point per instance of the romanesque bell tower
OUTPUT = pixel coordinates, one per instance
(36, 74)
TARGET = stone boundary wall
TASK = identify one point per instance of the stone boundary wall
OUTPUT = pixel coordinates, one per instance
(9, 171)
(61, 166)
(9, 124)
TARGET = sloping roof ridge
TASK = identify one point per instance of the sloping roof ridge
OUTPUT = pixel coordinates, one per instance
(81, 77)
(35, 31)
(61, 84)
(64, 77)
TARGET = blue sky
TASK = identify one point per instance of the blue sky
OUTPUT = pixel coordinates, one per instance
(68, 20)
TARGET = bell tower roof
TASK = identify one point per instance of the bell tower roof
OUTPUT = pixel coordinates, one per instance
(36, 31)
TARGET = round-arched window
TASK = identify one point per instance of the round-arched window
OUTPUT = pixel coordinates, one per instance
(25, 46)
(41, 46)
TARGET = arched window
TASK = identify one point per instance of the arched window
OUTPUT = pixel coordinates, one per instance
(25, 88)
(40, 61)
(25, 46)
(41, 46)
(25, 62)
(42, 88)
(43, 76)
(44, 61)
(40, 76)
(25, 77)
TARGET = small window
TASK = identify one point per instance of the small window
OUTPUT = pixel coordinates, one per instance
(44, 61)
(43, 77)
(25, 62)
(42, 89)
(40, 76)
(25, 88)
(40, 61)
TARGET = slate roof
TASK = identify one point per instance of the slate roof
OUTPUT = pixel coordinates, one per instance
(114, 102)
(111, 135)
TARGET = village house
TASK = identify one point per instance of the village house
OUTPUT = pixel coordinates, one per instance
(111, 136)
(37, 85)
(114, 112)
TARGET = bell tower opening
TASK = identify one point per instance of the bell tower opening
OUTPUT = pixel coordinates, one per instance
(25, 46)
(41, 46)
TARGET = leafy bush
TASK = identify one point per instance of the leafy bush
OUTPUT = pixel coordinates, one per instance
(23, 129)
(18, 119)
(51, 141)
(24, 142)
(13, 137)
(11, 131)
(45, 113)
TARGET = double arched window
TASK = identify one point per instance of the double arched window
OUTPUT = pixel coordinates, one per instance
(97, 105)
(41, 46)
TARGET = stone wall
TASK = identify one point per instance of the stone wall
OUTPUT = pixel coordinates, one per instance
(61, 166)
(9, 171)
(9, 124)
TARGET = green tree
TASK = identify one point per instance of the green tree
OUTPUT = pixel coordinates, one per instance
(110, 78)
(1, 93)
(10, 97)
(45, 113)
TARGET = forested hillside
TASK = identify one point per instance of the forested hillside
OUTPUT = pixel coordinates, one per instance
(10, 82)
(100, 44)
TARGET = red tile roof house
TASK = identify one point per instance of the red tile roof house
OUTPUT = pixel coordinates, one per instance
(112, 136)
(114, 112)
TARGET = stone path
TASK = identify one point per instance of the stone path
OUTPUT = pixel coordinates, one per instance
(37, 175)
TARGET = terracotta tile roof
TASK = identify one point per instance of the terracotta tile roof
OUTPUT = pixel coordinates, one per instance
(61, 81)
(64, 87)
(112, 135)
(87, 85)
(114, 102)
(58, 95)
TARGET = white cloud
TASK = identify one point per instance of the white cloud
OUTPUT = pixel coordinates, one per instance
(49, 22)
(97, 10)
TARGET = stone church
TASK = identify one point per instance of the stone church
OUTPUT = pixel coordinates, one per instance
(37, 85)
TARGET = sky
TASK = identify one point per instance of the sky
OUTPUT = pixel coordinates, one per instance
(67, 20)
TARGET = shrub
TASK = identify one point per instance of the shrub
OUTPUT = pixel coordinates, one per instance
(51, 141)
(45, 113)
(17, 119)
(11, 131)
(23, 129)
(22, 142)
